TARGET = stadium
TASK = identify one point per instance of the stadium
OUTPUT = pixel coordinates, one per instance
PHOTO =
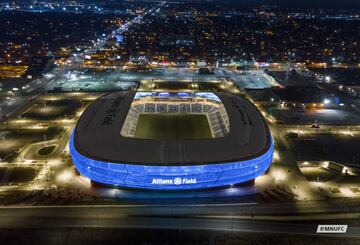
(171, 141)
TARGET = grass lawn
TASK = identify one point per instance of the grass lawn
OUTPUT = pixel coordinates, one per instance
(172, 126)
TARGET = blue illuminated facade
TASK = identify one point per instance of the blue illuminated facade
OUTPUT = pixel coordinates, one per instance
(171, 177)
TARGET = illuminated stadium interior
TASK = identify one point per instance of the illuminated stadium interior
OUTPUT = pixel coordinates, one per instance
(162, 116)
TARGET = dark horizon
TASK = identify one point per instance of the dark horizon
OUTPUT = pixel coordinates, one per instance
(303, 3)
(340, 4)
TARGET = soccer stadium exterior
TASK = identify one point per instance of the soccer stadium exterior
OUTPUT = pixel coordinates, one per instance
(104, 148)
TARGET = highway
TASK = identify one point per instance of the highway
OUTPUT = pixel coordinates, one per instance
(194, 217)
(14, 104)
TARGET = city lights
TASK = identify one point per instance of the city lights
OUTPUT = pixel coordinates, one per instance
(205, 115)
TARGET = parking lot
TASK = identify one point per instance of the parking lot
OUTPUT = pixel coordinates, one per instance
(321, 116)
(53, 109)
(327, 147)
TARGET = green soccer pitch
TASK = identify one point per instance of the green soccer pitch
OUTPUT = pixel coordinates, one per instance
(173, 126)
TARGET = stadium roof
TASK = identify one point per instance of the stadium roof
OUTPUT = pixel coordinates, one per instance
(97, 136)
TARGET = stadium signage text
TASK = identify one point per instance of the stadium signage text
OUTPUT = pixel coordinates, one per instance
(175, 181)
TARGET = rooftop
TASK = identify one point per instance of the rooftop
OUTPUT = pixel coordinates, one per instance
(98, 135)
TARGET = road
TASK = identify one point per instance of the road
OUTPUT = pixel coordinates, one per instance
(15, 103)
(10, 106)
(194, 217)
(77, 60)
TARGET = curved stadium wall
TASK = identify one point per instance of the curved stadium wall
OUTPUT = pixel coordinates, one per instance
(171, 177)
